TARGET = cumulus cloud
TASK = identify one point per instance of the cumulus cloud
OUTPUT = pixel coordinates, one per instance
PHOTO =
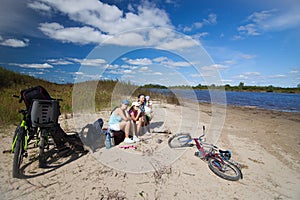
(101, 22)
(16, 43)
(82, 35)
(138, 61)
(34, 65)
(90, 62)
(39, 6)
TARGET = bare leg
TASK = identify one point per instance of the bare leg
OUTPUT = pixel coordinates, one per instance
(133, 127)
(139, 125)
(125, 126)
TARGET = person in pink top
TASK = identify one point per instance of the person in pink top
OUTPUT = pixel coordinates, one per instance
(135, 114)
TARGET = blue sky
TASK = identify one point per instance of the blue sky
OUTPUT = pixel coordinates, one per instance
(169, 42)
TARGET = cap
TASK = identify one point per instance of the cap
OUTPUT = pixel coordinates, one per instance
(135, 103)
(125, 102)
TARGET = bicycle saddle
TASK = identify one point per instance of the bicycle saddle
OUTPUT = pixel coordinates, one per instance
(225, 154)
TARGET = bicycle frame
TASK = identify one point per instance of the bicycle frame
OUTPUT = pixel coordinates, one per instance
(217, 159)
(25, 132)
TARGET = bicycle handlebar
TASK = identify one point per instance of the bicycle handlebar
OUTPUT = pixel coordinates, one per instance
(203, 134)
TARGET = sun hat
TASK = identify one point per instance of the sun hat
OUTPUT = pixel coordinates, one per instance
(125, 102)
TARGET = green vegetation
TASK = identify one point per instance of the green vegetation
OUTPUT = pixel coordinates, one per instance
(243, 88)
(11, 83)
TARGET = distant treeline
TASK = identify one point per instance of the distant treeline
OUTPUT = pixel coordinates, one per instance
(241, 87)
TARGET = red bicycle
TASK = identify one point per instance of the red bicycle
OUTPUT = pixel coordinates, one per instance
(219, 161)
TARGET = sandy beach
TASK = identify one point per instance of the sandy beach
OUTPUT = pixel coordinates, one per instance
(265, 143)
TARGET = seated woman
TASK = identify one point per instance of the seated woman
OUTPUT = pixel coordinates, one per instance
(135, 114)
(119, 120)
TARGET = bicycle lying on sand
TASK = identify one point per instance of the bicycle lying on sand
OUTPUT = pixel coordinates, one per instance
(38, 123)
(218, 160)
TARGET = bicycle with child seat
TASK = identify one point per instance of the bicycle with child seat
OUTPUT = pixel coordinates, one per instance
(219, 161)
(37, 124)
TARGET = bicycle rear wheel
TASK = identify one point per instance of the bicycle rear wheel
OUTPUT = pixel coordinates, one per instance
(179, 140)
(224, 170)
(18, 152)
(42, 156)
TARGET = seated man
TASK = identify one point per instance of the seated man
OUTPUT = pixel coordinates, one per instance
(119, 120)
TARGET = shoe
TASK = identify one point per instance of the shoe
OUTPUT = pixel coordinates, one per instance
(147, 133)
(136, 139)
(128, 141)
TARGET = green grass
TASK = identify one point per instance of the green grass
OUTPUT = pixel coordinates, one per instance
(11, 83)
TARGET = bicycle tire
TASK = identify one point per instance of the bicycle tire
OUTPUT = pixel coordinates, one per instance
(16, 133)
(42, 156)
(229, 171)
(18, 152)
(179, 140)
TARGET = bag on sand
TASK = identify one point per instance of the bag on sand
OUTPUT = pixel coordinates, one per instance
(118, 136)
(37, 92)
(61, 138)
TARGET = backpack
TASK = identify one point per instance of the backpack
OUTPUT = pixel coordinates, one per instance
(37, 92)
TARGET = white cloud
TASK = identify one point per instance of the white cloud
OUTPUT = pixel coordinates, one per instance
(269, 20)
(39, 6)
(144, 69)
(248, 56)
(214, 67)
(282, 21)
(294, 71)
(277, 76)
(170, 63)
(59, 61)
(82, 35)
(101, 22)
(14, 42)
(252, 73)
(211, 20)
(90, 62)
(259, 17)
(138, 61)
(128, 71)
(35, 66)
(249, 29)
(160, 59)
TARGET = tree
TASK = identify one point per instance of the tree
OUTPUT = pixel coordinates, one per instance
(270, 88)
(241, 85)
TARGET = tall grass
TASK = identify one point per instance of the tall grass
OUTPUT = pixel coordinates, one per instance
(108, 94)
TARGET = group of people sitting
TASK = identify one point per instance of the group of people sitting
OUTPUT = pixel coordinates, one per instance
(135, 119)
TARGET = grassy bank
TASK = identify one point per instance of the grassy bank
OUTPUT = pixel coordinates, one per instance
(12, 83)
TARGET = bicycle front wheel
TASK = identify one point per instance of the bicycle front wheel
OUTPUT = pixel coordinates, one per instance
(18, 152)
(179, 140)
(224, 170)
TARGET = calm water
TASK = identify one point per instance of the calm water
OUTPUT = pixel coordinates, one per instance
(271, 101)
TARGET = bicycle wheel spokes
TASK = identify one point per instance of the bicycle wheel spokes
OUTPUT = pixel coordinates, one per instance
(224, 169)
(179, 140)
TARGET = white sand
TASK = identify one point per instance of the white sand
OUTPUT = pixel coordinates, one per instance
(266, 143)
